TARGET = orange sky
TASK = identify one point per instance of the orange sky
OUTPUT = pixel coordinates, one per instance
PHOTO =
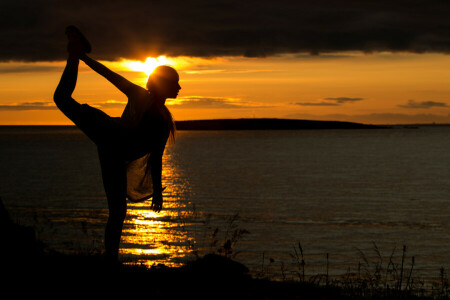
(381, 88)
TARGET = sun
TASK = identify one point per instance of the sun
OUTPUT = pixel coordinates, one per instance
(149, 65)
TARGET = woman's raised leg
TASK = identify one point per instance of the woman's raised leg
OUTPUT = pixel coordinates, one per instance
(63, 93)
(96, 124)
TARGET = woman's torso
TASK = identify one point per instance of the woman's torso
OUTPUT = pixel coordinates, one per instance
(145, 128)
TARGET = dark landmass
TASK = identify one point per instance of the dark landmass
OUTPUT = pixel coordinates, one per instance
(259, 124)
(28, 269)
(286, 124)
(266, 124)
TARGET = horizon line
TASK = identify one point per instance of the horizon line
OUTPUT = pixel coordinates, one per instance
(222, 119)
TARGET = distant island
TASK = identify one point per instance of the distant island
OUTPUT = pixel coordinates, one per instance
(256, 124)
(266, 123)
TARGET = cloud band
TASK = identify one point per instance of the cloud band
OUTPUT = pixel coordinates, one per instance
(34, 30)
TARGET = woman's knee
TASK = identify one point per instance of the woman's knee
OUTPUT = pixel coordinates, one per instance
(58, 99)
(62, 100)
(117, 217)
(68, 106)
(118, 211)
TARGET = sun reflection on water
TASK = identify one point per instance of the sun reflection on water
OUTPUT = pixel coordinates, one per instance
(152, 238)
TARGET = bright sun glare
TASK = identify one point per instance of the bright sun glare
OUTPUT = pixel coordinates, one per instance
(149, 65)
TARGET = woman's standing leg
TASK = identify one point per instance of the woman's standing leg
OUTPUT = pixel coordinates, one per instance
(115, 183)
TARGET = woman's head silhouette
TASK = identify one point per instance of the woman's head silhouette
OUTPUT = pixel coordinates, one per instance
(164, 82)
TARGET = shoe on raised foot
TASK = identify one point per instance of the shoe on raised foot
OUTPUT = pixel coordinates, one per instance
(73, 33)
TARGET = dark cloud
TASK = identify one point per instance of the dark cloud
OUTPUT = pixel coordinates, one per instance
(32, 30)
(37, 105)
(316, 104)
(336, 101)
(25, 68)
(110, 104)
(344, 99)
(423, 104)
(49, 105)
(200, 102)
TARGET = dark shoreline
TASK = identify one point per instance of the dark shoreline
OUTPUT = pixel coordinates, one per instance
(245, 124)
(28, 267)
(268, 124)
(262, 124)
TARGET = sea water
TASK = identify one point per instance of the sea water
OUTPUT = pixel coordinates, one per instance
(338, 199)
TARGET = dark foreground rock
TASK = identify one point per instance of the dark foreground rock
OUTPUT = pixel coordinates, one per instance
(28, 270)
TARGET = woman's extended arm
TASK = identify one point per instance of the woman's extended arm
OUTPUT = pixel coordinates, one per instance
(124, 85)
(156, 169)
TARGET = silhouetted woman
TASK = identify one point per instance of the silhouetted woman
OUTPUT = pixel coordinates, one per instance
(131, 147)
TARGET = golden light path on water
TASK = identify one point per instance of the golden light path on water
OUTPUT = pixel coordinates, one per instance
(152, 238)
